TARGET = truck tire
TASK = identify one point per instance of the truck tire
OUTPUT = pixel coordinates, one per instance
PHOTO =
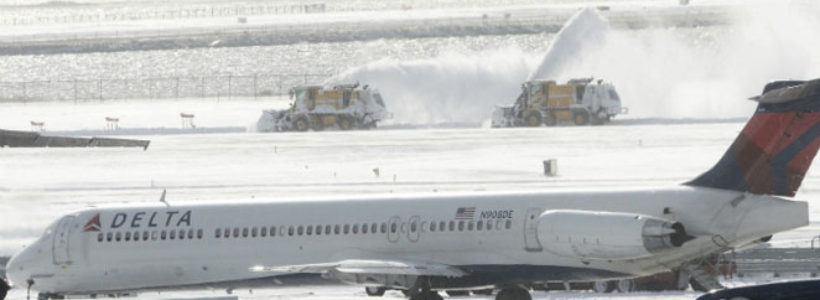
(532, 119)
(550, 119)
(581, 117)
(345, 122)
(603, 286)
(316, 123)
(301, 123)
(600, 117)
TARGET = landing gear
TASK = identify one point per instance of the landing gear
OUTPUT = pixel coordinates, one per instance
(626, 285)
(603, 286)
(375, 291)
(513, 293)
(4, 288)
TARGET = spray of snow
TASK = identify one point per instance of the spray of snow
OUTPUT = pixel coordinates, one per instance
(585, 33)
(701, 72)
(451, 88)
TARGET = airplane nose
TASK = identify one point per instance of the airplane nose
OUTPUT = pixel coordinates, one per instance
(16, 270)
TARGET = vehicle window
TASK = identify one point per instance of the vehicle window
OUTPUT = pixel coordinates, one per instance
(364, 228)
(245, 232)
(290, 230)
(199, 233)
(384, 228)
(263, 232)
(227, 232)
(441, 226)
(452, 226)
(309, 230)
(162, 235)
(318, 229)
(413, 226)
(460, 225)
(218, 233)
(470, 225)
(374, 228)
(336, 229)
(355, 228)
(128, 236)
(378, 98)
(254, 232)
(509, 224)
(327, 229)
(393, 227)
(172, 234)
(300, 230)
(273, 231)
(479, 225)
(154, 235)
(181, 234)
(100, 237)
(118, 236)
(614, 95)
(145, 235)
(236, 232)
(347, 228)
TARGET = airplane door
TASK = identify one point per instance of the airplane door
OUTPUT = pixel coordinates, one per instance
(531, 230)
(415, 228)
(60, 249)
(393, 229)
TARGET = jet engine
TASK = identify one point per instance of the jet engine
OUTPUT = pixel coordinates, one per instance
(607, 235)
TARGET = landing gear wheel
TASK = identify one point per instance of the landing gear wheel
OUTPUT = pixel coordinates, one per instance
(513, 293)
(457, 293)
(532, 119)
(697, 286)
(374, 291)
(603, 286)
(345, 122)
(4, 288)
(580, 117)
(626, 285)
(431, 295)
(301, 123)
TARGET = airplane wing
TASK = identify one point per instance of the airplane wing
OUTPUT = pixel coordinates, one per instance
(356, 266)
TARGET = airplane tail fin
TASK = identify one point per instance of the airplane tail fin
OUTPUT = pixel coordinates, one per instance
(775, 149)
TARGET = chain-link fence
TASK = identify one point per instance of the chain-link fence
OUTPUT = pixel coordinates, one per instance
(216, 86)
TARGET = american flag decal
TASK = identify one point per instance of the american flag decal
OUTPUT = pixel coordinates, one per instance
(465, 213)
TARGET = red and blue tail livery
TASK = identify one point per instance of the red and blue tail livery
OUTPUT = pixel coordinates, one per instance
(775, 149)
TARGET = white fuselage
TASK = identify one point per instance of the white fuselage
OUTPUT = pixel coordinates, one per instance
(77, 255)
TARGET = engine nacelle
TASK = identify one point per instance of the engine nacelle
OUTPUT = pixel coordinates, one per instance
(607, 235)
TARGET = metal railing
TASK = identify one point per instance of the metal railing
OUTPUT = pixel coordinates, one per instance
(223, 86)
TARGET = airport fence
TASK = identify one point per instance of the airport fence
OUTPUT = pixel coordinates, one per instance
(221, 87)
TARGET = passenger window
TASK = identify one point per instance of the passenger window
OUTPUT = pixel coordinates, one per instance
(128, 236)
(441, 226)
(452, 226)
(300, 230)
(236, 232)
(336, 229)
(355, 228)
(172, 234)
(245, 232)
(509, 224)
(181, 234)
(489, 225)
(145, 235)
(364, 228)
(109, 236)
(227, 232)
(480, 225)
(470, 225)
(254, 231)
(432, 226)
(318, 229)
(309, 229)
(327, 229)
(347, 228)
(136, 236)
(118, 236)
(281, 230)
(374, 228)
(163, 235)
(384, 228)
(499, 224)
(218, 233)
(413, 226)
(394, 227)
(190, 234)
(154, 235)
(100, 237)
(290, 230)
(199, 233)
(460, 225)
(263, 232)
(273, 231)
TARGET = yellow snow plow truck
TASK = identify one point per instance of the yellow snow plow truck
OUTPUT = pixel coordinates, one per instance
(344, 107)
(580, 101)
